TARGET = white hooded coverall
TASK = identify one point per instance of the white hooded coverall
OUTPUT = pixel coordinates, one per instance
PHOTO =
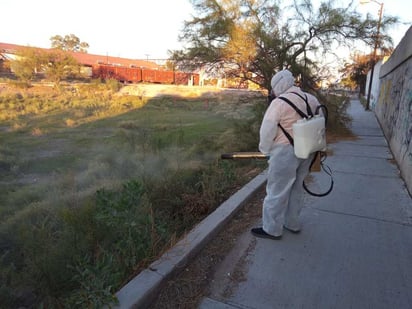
(284, 190)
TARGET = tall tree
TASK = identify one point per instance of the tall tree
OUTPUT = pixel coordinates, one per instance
(27, 63)
(69, 43)
(354, 72)
(55, 64)
(59, 65)
(356, 69)
(255, 38)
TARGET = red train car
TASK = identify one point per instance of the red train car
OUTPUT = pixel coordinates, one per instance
(157, 76)
(196, 79)
(122, 74)
(138, 75)
(183, 78)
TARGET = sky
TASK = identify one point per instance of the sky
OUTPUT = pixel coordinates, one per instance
(399, 8)
(137, 29)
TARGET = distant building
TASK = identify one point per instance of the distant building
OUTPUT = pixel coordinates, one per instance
(8, 52)
(108, 67)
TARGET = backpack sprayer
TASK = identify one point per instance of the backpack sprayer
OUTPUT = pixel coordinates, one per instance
(321, 155)
(308, 137)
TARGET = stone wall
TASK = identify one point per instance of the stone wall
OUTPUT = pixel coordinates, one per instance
(394, 105)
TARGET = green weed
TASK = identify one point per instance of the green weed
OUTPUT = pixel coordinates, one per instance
(107, 183)
(97, 185)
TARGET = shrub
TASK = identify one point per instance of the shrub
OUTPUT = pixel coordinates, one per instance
(113, 85)
(72, 240)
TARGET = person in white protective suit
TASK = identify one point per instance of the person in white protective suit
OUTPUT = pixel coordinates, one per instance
(286, 172)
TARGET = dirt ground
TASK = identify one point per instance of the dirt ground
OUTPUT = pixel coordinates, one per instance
(188, 288)
(153, 90)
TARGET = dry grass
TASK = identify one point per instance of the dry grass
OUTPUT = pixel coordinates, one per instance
(186, 290)
(60, 147)
(57, 152)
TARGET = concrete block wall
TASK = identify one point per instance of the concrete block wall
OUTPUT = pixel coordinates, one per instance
(394, 105)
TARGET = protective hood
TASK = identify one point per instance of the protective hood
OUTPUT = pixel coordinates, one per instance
(281, 82)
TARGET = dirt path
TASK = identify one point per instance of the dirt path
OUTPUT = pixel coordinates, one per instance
(197, 279)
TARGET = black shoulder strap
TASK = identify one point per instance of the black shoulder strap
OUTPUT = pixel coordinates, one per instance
(302, 114)
(325, 112)
(308, 109)
(289, 137)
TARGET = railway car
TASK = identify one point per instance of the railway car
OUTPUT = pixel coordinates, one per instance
(122, 74)
(145, 75)
(157, 76)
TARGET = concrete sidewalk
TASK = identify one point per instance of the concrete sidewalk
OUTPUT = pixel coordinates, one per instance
(355, 249)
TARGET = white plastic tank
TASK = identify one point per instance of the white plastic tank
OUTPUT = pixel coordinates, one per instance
(309, 136)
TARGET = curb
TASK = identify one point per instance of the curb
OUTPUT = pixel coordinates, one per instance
(143, 288)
